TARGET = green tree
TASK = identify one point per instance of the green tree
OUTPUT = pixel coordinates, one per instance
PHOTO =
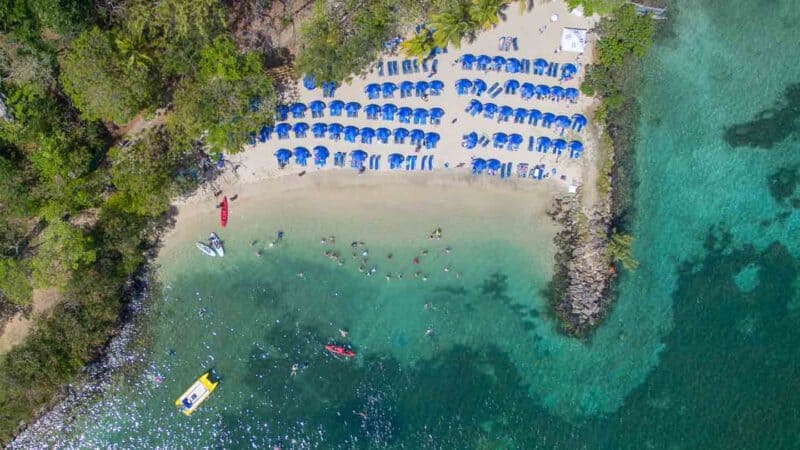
(101, 80)
(452, 25)
(418, 46)
(486, 13)
(622, 35)
(62, 250)
(620, 250)
(14, 283)
(229, 97)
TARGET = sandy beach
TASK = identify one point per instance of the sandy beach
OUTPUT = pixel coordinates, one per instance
(537, 37)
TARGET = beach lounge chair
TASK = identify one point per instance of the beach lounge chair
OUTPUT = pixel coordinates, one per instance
(434, 68)
(379, 66)
(425, 65)
(430, 162)
(502, 170)
(377, 162)
(416, 65)
(424, 161)
(531, 143)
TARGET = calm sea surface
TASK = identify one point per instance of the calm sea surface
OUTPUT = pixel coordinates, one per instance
(701, 351)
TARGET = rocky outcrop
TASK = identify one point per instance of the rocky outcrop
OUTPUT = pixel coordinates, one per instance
(580, 288)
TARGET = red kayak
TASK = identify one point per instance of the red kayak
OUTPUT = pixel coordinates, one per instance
(340, 350)
(223, 213)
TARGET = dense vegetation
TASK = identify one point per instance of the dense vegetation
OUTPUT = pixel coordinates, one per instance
(80, 201)
(341, 41)
(625, 38)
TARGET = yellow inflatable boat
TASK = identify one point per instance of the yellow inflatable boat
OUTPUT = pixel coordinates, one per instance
(197, 393)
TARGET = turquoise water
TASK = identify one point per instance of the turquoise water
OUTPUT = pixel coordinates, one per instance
(700, 351)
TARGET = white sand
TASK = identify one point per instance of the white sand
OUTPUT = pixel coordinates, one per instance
(258, 162)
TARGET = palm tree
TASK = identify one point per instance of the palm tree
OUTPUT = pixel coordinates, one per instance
(450, 26)
(419, 46)
(486, 13)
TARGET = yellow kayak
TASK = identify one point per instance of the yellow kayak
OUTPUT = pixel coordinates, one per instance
(197, 393)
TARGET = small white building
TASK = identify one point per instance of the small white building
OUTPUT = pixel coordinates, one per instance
(573, 40)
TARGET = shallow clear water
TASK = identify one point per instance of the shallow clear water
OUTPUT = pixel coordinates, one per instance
(699, 352)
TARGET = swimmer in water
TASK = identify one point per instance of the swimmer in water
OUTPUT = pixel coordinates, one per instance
(300, 274)
(332, 240)
(253, 243)
(354, 244)
(429, 332)
(295, 366)
(424, 252)
(416, 274)
(388, 277)
(425, 277)
(389, 256)
(447, 249)
(259, 252)
(364, 253)
(446, 268)
(343, 333)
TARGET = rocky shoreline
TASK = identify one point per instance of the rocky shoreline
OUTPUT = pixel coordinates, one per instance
(56, 420)
(579, 292)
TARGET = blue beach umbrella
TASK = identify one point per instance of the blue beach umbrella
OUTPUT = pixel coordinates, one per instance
(283, 155)
(431, 139)
(282, 130)
(358, 155)
(527, 91)
(542, 91)
(470, 140)
(547, 119)
(417, 137)
(298, 110)
(373, 90)
(316, 106)
(395, 159)
(568, 70)
(436, 87)
(400, 135)
(350, 133)
(367, 134)
(475, 107)
(406, 87)
(543, 144)
(388, 111)
(578, 122)
(571, 94)
(383, 134)
(463, 85)
(309, 82)
(575, 149)
(559, 145)
(562, 121)
(335, 108)
(511, 86)
(479, 86)
(499, 139)
(540, 63)
(514, 140)
(335, 130)
(478, 165)
(421, 88)
(520, 114)
(513, 65)
(300, 155)
(320, 155)
(436, 115)
(534, 116)
(264, 134)
(489, 110)
(498, 62)
(388, 88)
(404, 114)
(493, 164)
(420, 116)
(467, 61)
(319, 129)
(505, 112)
(372, 110)
(484, 61)
(281, 112)
(352, 109)
(300, 129)
(557, 92)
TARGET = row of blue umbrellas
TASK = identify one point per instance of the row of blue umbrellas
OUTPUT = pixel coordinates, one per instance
(373, 111)
(526, 90)
(350, 133)
(320, 152)
(388, 88)
(511, 65)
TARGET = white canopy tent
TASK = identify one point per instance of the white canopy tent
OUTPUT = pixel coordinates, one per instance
(573, 40)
